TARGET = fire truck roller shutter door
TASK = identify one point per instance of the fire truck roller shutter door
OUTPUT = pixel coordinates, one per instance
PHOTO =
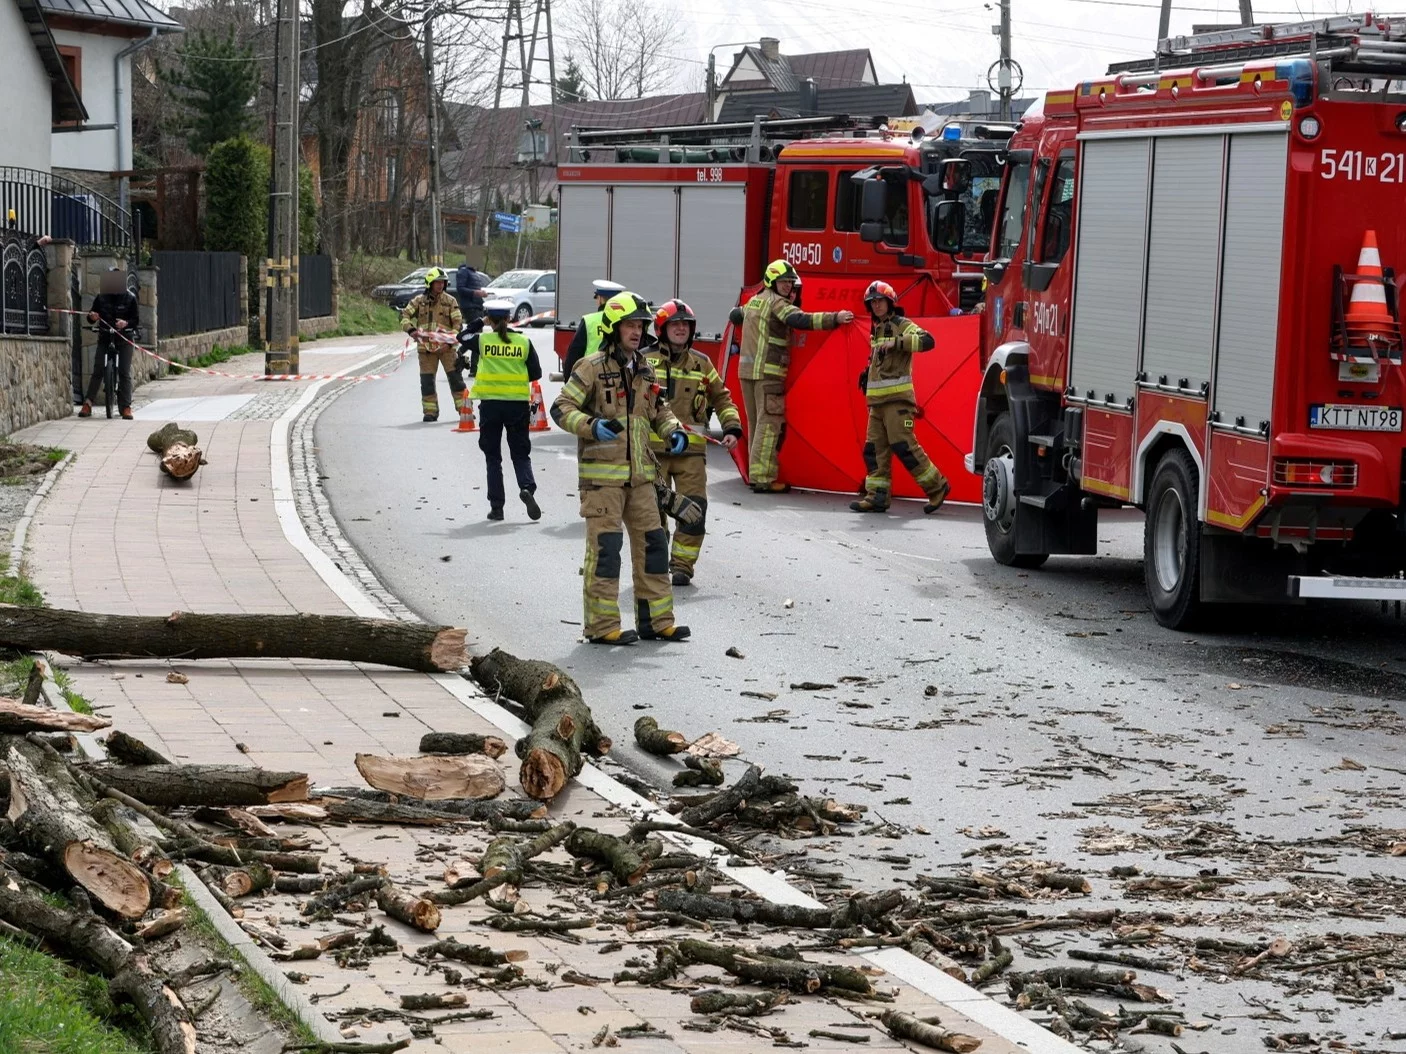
(1254, 237)
(644, 225)
(581, 253)
(1108, 284)
(1182, 250)
(712, 240)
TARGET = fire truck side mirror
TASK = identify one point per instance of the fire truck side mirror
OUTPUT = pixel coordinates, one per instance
(873, 203)
(956, 176)
(948, 227)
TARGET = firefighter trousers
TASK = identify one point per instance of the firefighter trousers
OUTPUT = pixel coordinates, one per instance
(441, 355)
(891, 435)
(765, 402)
(611, 512)
(497, 417)
(686, 475)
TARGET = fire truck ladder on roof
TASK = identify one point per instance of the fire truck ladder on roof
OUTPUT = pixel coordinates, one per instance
(755, 140)
(1350, 44)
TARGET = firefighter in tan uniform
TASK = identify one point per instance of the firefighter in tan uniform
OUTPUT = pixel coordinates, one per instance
(767, 321)
(694, 391)
(888, 387)
(613, 405)
(433, 319)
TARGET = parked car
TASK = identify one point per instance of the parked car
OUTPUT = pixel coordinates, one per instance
(398, 294)
(532, 292)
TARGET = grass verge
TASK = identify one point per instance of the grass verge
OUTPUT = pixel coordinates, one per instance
(47, 1007)
(360, 316)
(15, 589)
(263, 998)
(215, 355)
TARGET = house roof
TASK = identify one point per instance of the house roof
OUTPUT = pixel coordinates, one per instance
(122, 12)
(68, 105)
(832, 69)
(869, 100)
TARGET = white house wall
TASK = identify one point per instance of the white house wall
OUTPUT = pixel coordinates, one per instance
(25, 88)
(96, 150)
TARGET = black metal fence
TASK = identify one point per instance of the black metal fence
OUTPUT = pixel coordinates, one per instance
(197, 291)
(24, 285)
(314, 286)
(41, 203)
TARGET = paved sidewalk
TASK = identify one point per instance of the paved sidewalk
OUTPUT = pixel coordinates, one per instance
(116, 536)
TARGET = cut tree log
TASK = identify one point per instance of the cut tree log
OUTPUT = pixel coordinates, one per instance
(34, 686)
(743, 1004)
(462, 743)
(241, 881)
(796, 974)
(724, 801)
(473, 954)
(178, 449)
(622, 858)
(699, 772)
(52, 813)
(562, 725)
(129, 750)
(658, 740)
(929, 1033)
(384, 642)
(17, 718)
(166, 786)
(500, 809)
(502, 864)
(434, 777)
(857, 911)
(407, 908)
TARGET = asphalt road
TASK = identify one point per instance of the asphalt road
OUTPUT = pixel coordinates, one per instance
(987, 717)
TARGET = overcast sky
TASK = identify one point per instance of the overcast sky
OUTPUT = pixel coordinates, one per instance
(944, 47)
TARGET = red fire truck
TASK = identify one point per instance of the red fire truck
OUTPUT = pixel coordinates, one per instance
(697, 212)
(1173, 279)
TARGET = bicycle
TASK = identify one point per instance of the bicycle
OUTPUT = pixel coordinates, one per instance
(109, 351)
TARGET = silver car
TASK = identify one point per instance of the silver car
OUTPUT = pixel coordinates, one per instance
(531, 293)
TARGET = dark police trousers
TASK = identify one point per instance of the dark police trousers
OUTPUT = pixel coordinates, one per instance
(496, 416)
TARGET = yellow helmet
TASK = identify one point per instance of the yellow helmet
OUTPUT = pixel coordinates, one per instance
(623, 307)
(778, 271)
(433, 275)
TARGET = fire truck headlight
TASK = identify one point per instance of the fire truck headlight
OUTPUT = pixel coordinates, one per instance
(1401, 122)
(1310, 126)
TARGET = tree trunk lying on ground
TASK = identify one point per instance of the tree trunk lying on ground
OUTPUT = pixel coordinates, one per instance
(51, 813)
(658, 740)
(183, 635)
(623, 859)
(167, 786)
(129, 750)
(562, 725)
(178, 449)
(462, 743)
(17, 718)
(928, 1033)
(502, 864)
(796, 974)
(434, 777)
(857, 911)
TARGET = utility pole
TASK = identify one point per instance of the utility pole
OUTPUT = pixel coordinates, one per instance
(281, 309)
(1247, 13)
(436, 230)
(1003, 76)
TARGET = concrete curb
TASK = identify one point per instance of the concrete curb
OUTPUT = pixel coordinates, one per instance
(773, 885)
(22, 526)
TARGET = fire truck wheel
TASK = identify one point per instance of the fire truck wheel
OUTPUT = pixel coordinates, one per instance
(999, 504)
(1171, 542)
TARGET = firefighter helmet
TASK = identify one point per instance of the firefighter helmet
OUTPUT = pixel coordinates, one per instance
(675, 311)
(623, 307)
(433, 275)
(880, 291)
(778, 271)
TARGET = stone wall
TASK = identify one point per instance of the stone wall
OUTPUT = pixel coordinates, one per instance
(311, 327)
(35, 383)
(194, 345)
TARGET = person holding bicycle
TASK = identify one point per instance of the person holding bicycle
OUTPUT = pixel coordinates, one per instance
(114, 310)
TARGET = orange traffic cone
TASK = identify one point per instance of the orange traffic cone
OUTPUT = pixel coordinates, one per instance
(539, 410)
(466, 416)
(1369, 319)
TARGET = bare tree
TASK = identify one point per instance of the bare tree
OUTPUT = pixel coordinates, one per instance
(617, 44)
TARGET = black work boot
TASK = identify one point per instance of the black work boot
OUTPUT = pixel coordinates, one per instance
(682, 578)
(936, 499)
(496, 512)
(534, 511)
(673, 633)
(878, 503)
(430, 417)
(615, 636)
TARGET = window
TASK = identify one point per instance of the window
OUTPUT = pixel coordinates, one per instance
(847, 195)
(546, 284)
(896, 208)
(1058, 213)
(1012, 222)
(810, 193)
(72, 59)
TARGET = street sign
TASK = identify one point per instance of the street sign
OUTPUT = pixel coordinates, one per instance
(507, 222)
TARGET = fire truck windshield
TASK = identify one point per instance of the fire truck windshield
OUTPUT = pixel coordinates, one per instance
(1013, 210)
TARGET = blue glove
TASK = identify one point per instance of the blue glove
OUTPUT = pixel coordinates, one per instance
(604, 430)
(678, 441)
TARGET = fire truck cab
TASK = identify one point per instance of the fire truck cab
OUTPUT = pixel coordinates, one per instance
(1182, 315)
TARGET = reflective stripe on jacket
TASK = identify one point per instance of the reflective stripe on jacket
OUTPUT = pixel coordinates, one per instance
(428, 313)
(602, 387)
(502, 367)
(891, 371)
(694, 390)
(767, 321)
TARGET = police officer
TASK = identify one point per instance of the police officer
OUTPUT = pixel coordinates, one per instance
(888, 387)
(767, 321)
(695, 391)
(504, 364)
(433, 318)
(588, 330)
(613, 404)
(468, 290)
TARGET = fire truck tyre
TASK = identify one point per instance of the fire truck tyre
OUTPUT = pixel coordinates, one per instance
(1171, 543)
(999, 504)
(523, 313)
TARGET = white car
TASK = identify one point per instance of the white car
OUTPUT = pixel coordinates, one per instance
(531, 293)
